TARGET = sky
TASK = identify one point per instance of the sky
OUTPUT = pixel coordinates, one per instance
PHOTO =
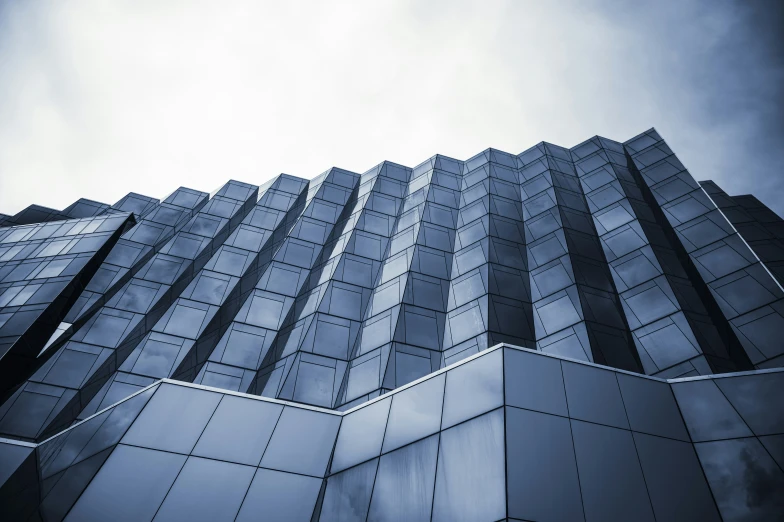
(98, 99)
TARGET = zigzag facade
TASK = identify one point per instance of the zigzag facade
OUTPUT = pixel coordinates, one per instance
(327, 295)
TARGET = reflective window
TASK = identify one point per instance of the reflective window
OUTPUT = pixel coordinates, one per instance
(611, 480)
(280, 496)
(651, 407)
(745, 480)
(174, 419)
(675, 480)
(534, 382)
(593, 395)
(11, 457)
(758, 399)
(129, 487)
(473, 388)
(206, 490)
(361, 435)
(348, 493)
(239, 430)
(302, 442)
(404, 484)
(708, 414)
(470, 477)
(415, 413)
(543, 483)
(114, 425)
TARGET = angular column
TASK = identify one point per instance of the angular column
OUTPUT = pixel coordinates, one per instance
(674, 332)
(576, 309)
(318, 339)
(180, 342)
(42, 270)
(759, 226)
(489, 292)
(261, 322)
(746, 293)
(401, 338)
(67, 383)
(157, 223)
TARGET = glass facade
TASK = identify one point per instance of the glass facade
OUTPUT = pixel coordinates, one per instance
(564, 334)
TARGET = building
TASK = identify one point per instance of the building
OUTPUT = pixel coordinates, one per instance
(563, 334)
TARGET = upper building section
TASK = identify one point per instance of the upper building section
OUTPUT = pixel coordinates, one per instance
(332, 291)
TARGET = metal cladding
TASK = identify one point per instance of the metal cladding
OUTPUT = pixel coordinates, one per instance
(563, 334)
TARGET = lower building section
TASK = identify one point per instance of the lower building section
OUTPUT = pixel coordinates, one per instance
(507, 434)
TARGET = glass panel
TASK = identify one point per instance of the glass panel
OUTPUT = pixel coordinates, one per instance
(118, 419)
(206, 490)
(174, 419)
(759, 399)
(415, 413)
(746, 482)
(404, 485)
(470, 477)
(66, 487)
(348, 494)
(534, 382)
(707, 413)
(611, 481)
(11, 457)
(239, 430)
(775, 446)
(651, 407)
(473, 388)
(361, 435)
(302, 442)
(129, 487)
(280, 496)
(593, 395)
(675, 480)
(543, 483)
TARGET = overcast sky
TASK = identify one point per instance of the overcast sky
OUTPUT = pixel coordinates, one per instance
(101, 98)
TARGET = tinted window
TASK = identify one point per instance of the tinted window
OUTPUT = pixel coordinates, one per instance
(470, 477)
(239, 430)
(415, 413)
(206, 490)
(302, 442)
(130, 486)
(174, 419)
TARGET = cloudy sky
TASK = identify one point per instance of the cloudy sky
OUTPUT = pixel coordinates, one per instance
(101, 98)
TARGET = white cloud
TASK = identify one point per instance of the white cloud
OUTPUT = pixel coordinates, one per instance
(103, 98)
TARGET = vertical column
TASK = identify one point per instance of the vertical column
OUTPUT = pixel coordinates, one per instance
(746, 294)
(181, 340)
(251, 340)
(576, 309)
(759, 226)
(316, 346)
(157, 223)
(42, 269)
(61, 388)
(88, 300)
(401, 335)
(489, 293)
(672, 328)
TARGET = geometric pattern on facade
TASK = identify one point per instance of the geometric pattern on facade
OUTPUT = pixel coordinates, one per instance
(273, 309)
(507, 434)
(43, 270)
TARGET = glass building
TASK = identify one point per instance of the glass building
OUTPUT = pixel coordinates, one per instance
(582, 334)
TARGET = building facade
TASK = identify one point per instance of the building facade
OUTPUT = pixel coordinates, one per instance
(581, 334)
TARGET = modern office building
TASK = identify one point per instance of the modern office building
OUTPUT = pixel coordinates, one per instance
(581, 334)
